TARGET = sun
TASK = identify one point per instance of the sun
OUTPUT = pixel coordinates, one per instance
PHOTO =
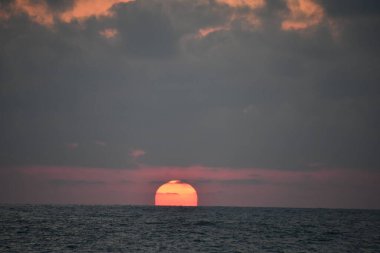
(176, 193)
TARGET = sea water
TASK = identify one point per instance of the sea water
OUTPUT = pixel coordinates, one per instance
(75, 228)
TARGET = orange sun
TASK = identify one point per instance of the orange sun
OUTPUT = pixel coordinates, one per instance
(176, 193)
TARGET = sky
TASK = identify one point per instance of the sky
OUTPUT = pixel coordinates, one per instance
(270, 103)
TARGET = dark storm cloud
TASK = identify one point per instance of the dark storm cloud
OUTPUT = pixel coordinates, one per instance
(244, 96)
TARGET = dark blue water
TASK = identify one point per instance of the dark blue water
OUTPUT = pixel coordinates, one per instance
(35, 228)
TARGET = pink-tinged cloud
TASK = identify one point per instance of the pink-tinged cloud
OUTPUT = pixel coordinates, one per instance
(252, 4)
(249, 20)
(39, 11)
(302, 14)
(84, 9)
(136, 153)
(205, 31)
(215, 186)
(109, 33)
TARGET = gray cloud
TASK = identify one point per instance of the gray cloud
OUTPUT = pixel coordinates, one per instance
(60, 6)
(145, 32)
(237, 182)
(258, 97)
(63, 182)
(351, 7)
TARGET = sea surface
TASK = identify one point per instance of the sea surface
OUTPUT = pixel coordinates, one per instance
(76, 228)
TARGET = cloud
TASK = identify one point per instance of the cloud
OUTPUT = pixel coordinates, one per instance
(205, 31)
(303, 14)
(137, 153)
(84, 9)
(252, 4)
(351, 8)
(42, 13)
(109, 33)
(247, 19)
(37, 11)
(63, 182)
(167, 193)
(236, 97)
(252, 181)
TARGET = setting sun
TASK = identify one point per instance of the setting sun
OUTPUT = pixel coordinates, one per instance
(176, 193)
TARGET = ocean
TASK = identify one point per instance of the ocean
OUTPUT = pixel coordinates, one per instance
(77, 228)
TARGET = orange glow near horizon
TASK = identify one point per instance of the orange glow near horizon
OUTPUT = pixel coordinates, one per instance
(176, 193)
